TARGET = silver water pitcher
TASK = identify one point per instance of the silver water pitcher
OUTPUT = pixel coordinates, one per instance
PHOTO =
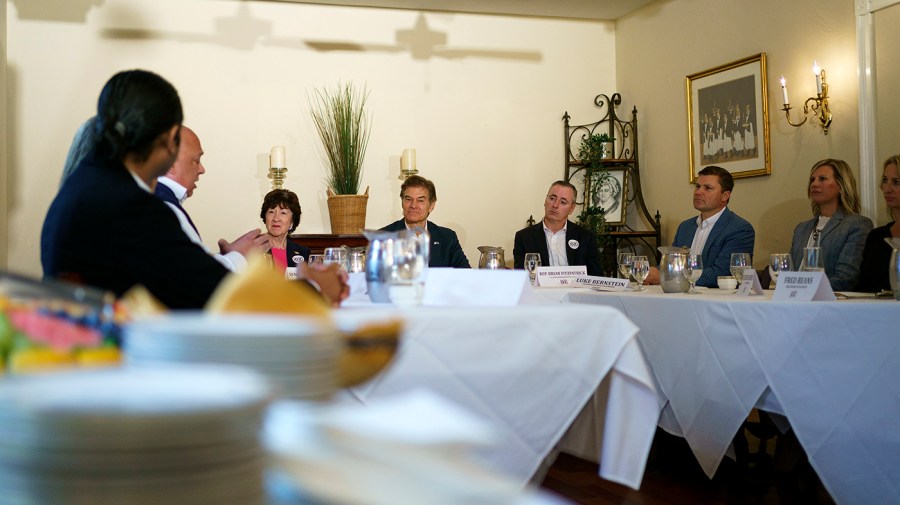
(387, 260)
(671, 269)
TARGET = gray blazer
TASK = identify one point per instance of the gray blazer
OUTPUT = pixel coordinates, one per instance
(842, 241)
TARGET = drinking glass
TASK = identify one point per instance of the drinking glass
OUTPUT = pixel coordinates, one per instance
(625, 260)
(407, 271)
(532, 261)
(693, 269)
(315, 259)
(357, 262)
(640, 268)
(812, 260)
(337, 255)
(739, 263)
(779, 262)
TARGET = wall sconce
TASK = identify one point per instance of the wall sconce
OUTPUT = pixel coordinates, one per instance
(407, 164)
(818, 104)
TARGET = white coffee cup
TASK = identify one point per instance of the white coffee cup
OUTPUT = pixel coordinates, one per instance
(727, 282)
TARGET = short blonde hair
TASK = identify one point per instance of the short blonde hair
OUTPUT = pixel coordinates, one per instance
(848, 196)
(893, 160)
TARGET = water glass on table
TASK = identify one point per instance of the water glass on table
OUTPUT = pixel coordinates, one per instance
(812, 260)
(337, 255)
(625, 260)
(779, 262)
(693, 269)
(739, 263)
(532, 261)
(640, 268)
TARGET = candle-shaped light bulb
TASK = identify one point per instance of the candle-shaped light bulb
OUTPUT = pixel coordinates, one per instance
(408, 161)
(818, 74)
(276, 157)
(784, 91)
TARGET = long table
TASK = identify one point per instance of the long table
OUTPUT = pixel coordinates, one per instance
(832, 368)
(528, 371)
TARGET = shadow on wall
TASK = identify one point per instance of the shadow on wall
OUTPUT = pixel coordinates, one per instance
(70, 11)
(244, 32)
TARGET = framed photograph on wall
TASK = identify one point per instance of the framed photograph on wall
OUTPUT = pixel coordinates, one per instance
(728, 118)
(609, 190)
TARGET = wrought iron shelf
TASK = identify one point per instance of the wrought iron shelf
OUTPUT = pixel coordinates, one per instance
(625, 157)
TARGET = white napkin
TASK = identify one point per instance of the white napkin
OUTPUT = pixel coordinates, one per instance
(463, 287)
(414, 448)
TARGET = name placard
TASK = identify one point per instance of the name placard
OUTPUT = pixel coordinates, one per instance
(290, 273)
(750, 284)
(559, 276)
(803, 287)
(602, 283)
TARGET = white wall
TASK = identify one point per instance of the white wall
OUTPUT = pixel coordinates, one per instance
(657, 46)
(485, 120)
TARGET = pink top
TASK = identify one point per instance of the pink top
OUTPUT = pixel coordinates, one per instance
(279, 257)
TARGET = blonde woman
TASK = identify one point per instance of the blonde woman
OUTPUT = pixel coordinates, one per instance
(836, 226)
(873, 274)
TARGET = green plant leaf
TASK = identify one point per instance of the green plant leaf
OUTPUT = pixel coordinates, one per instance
(344, 128)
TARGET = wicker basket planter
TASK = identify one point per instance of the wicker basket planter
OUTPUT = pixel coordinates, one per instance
(347, 212)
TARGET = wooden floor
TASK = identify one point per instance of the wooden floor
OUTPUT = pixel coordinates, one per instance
(674, 477)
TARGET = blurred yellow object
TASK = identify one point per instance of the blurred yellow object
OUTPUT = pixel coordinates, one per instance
(261, 289)
(367, 351)
(37, 359)
(99, 357)
(138, 302)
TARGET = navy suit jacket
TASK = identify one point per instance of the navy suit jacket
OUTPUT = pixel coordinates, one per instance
(731, 234)
(145, 243)
(294, 249)
(167, 195)
(445, 250)
(842, 241)
(586, 252)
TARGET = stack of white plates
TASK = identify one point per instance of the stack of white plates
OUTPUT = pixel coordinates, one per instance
(136, 435)
(297, 355)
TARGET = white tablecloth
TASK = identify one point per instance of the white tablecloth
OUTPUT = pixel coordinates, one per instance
(833, 367)
(528, 371)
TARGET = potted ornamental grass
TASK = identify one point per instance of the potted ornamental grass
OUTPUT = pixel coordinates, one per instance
(343, 125)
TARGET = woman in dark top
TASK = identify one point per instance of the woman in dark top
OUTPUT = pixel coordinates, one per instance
(281, 214)
(873, 275)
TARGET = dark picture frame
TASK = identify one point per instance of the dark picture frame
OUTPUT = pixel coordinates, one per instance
(728, 118)
(610, 193)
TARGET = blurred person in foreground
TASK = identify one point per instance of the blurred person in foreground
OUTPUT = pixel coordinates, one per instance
(836, 226)
(560, 242)
(105, 227)
(109, 194)
(876, 256)
(281, 214)
(179, 184)
(418, 197)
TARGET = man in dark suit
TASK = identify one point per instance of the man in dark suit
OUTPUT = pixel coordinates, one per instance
(717, 232)
(559, 241)
(418, 198)
(179, 184)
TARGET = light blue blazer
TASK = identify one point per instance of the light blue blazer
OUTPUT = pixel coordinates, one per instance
(842, 241)
(731, 234)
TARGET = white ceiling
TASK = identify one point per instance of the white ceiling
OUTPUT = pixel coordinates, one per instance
(576, 9)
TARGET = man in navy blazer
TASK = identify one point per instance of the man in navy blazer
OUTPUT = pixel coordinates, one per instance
(559, 241)
(717, 232)
(179, 184)
(418, 197)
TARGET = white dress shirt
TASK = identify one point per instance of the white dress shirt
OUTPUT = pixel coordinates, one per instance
(233, 261)
(556, 246)
(704, 226)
